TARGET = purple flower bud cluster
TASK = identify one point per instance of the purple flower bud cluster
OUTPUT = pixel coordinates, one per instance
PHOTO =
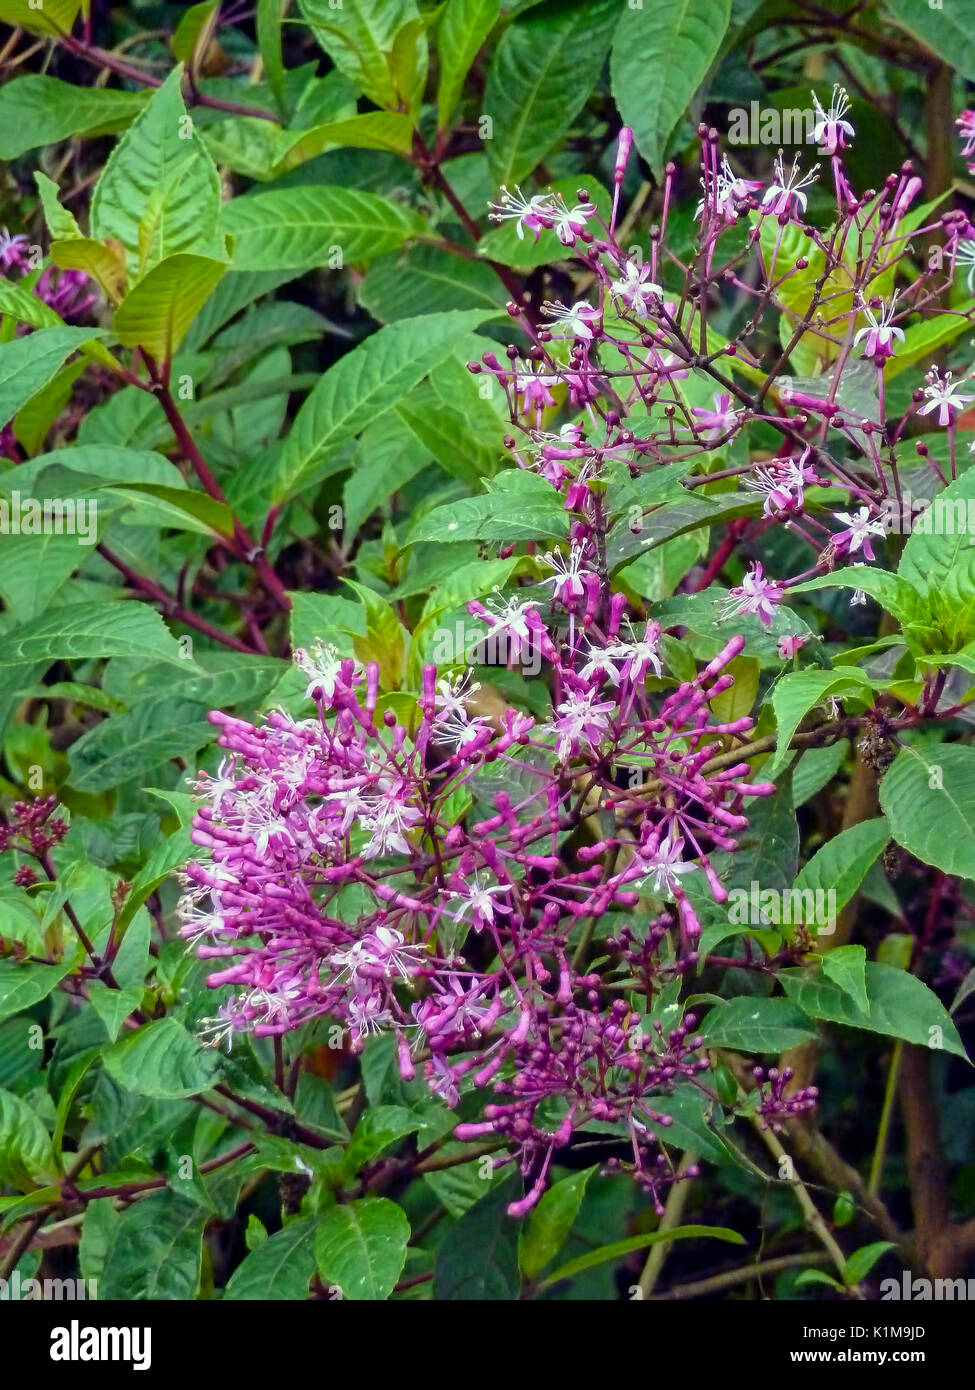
(31, 828)
(775, 1105)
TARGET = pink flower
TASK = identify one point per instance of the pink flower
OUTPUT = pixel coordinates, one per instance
(718, 421)
(787, 189)
(755, 594)
(943, 395)
(789, 646)
(879, 333)
(830, 130)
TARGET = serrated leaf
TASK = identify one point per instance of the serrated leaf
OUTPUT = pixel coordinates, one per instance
(361, 386)
(297, 228)
(518, 506)
(153, 1250)
(26, 1157)
(661, 55)
(159, 194)
(928, 797)
(163, 1061)
(280, 1268)
(544, 67)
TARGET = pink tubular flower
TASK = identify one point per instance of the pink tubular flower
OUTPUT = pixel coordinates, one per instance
(789, 646)
(830, 131)
(720, 420)
(786, 193)
(755, 594)
(635, 288)
(879, 332)
(859, 529)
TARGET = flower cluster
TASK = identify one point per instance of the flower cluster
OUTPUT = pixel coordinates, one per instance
(33, 829)
(340, 883)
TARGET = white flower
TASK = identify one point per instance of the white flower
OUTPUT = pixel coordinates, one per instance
(635, 289)
(480, 900)
(321, 665)
(575, 321)
(665, 865)
(943, 395)
(787, 187)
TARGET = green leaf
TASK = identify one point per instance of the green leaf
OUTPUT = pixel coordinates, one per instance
(37, 111)
(360, 38)
(861, 1262)
(379, 1127)
(900, 1006)
(661, 55)
(24, 985)
(26, 307)
(841, 864)
(297, 228)
(620, 1248)
(386, 639)
(190, 29)
(478, 1259)
(157, 312)
(846, 966)
(797, 692)
(750, 1024)
(360, 1248)
(551, 1221)
(113, 1006)
(153, 1250)
(126, 746)
(279, 1269)
(893, 593)
(427, 280)
(163, 1061)
(944, 31)
(26, 1157)
(60, 222)
(941, 566)
(49, 17)
(542, 72)
(518, 506)
(269, 16)
(464, 25)
(928, 797)
(159, 193)
(28, 364)
(374, 130)
(359, 388)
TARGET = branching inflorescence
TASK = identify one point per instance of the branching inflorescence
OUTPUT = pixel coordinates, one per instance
(440, 874)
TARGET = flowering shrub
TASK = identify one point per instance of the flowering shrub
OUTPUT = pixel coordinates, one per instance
(487, 802)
